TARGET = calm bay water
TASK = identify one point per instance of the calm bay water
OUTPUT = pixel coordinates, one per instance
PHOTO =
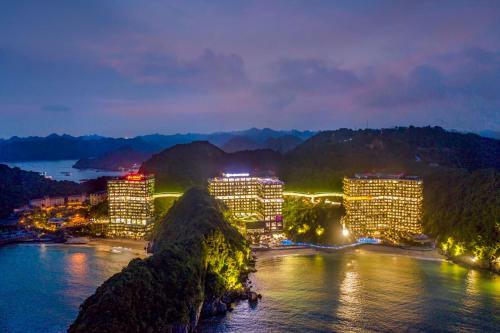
(365, 291)
(41, 287)
(62, 170)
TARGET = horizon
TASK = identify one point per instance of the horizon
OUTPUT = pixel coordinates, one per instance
(487, 133)
(125, 68)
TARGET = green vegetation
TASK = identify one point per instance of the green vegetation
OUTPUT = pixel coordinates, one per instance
(320, 163)
(198, 255)
(17, 187)
(462, 210)
(184, 166)
(162, 205)
(317, 223)
(99, 211)
(461, 195)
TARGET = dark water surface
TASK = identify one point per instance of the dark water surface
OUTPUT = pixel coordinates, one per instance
(366, 291)
(62, 170)
(41, 287)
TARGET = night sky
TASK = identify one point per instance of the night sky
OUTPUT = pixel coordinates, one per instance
(124, 68)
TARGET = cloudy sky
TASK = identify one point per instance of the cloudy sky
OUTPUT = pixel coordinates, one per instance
(128, 67)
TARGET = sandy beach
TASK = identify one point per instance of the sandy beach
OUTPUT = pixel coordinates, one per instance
(427, 254)
(430, 254)
(136, 247)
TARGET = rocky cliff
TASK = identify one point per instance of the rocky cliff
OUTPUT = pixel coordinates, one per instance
(198, 257)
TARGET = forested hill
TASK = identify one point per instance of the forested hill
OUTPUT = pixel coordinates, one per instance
(187, 165)
(18, 186)
(460, 173)
(322, 161)
(122, 158)
(425, 144)
(65, 147)
(197, 256)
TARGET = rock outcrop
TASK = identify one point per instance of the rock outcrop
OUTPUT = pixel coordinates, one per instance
(198, 257)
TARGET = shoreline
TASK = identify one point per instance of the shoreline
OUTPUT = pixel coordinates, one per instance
(415, 253)
(431, 254)
(136, 247)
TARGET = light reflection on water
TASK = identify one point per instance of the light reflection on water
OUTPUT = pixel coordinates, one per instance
(62, 170)
(42, 285)
(365, 291)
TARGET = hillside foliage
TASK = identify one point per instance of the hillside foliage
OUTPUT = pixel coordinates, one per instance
(317, 223)
(462, 210)
(197, 256)
(459, 171)
(17, 187)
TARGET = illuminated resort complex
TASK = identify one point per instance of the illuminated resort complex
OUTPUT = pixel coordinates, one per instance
(131, 205)
(255, 200)
(380, 205)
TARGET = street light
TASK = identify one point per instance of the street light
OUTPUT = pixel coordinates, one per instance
(345, 232)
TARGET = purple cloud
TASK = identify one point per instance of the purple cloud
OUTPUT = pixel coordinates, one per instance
(323, 64)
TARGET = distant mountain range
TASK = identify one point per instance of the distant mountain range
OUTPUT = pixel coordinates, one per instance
(323, 160)
(65, 147)
(94, 148)
(124, 158)
(280, 144)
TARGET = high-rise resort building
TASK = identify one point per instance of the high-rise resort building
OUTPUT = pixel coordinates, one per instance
(256, 200)
(381, 205)
(131, 205)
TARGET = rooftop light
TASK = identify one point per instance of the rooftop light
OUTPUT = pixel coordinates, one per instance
(135, 177)
(236, 175)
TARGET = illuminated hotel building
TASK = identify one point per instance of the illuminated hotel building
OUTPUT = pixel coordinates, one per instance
(131, 205)
(256, 200)
(379, 205)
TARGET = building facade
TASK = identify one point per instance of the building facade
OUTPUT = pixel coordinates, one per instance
(97, 197)
(381, 205)
(131, 205)
(47, 202)
(251, 199)
(76, 200)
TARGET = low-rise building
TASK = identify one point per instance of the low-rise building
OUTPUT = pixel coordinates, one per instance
(77, 199)
(47, 202)
(58, 223)
(97, 197)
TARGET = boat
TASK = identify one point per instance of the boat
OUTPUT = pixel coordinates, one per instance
(116, 249)
(77, 240)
